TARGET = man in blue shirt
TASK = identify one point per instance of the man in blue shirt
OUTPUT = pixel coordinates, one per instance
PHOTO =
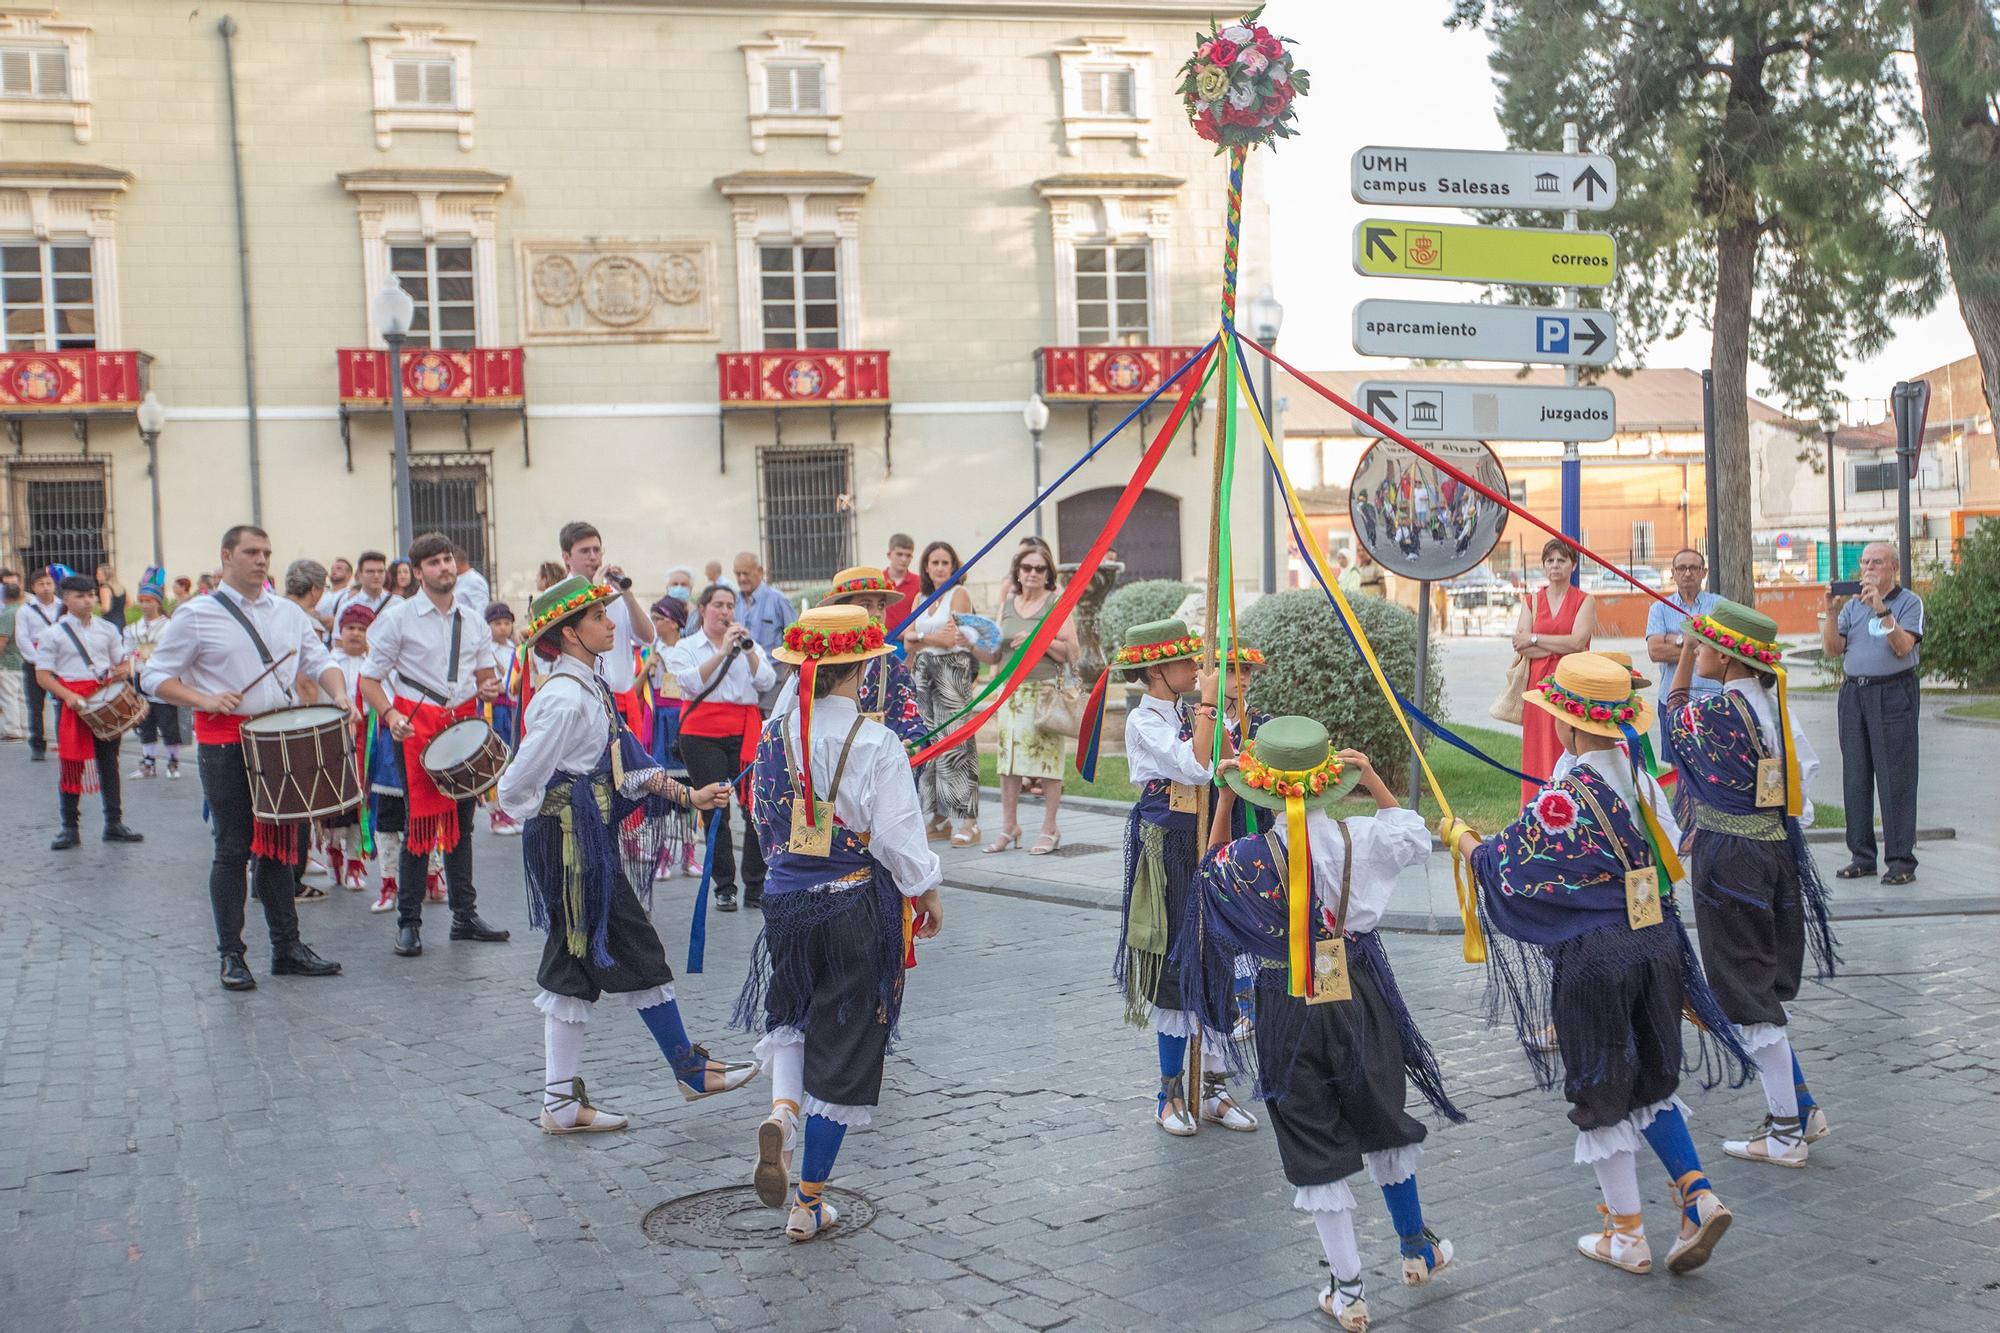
(1666, 626)
(760, 607)
(1876, 636)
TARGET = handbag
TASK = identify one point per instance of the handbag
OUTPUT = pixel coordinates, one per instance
(1508, 707)
(1059, 704)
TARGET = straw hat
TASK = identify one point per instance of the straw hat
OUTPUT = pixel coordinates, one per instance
(1246, 659)
(832, 635)
(561, 600)
(859, 581)
(1295, 754)
(1734, 629)
(1593, 693)
(1639, 679)
(1154, 643)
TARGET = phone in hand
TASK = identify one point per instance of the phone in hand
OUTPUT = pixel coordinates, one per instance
(1845, 588)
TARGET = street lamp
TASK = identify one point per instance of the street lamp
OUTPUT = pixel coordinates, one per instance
(1035, 416)
(394, 312)
(1266, 318)
(153, 420)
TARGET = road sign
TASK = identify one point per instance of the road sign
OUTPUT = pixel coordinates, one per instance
(1419, 521)
(1481, 411)
(1442, 331)
(1461, 178)
(1532, 256)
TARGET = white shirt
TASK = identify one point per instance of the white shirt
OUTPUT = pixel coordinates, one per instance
(1765, 709)
(878, 792)
(412, 640)
(330, 599)
(1385, 844)
(1154, 748)
(143, 635)
(874, 674)
(351, 595)
(350, 670)
(32, 622)
(472, 593)
(206, 650)
(499, 656)
(930, 622)
(740, 685)
(59, 657)
(616, 666)
(1615, 768)
(566, 729)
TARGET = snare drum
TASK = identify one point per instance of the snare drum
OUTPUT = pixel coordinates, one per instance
(113, 710)
(301, 763)
(465, 759)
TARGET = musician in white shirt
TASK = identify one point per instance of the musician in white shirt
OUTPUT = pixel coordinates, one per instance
(76, 658)
(583, 555)
(231, 655)
(371, 568)
(722, 675)
(439, 654)
(471, 591)
(38, 612)
(163, 720)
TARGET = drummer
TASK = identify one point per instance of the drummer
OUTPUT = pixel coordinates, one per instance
(74, 658)
(438, 653)
(230, 656)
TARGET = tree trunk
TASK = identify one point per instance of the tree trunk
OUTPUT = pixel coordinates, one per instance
(1958, 65)
(1729, 358)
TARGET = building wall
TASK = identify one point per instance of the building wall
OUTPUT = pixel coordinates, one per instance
(614, 123)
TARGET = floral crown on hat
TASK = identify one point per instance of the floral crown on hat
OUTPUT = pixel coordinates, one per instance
(1597, 710)
(808, 644)
(1287, 781)
(1735, 641)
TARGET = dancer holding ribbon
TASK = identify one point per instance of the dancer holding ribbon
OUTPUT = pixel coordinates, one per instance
(1758, 898)
(1580, 886)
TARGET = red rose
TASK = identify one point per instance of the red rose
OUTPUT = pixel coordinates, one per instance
(1280, 98)
(1600, 713)
(1204, 127)
(1220, 52)
(1268, 44)
(1249, 115)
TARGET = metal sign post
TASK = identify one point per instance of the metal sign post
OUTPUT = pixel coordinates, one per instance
(1911, 402)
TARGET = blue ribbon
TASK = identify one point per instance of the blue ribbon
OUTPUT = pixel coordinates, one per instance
(698, 928)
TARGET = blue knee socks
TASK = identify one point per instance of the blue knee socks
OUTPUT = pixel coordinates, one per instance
(1173, 1055)
(1407, 1213)
(664, 1022)
(823, 1138)
(1806, 1102)
(1669, 1137)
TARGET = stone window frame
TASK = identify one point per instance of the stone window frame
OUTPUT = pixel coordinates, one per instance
(430, 41)
(793, 208)
(785, 46)
(420, 206)
(41, 27)
(1123, 210)
(1088, 54)
(69, 202)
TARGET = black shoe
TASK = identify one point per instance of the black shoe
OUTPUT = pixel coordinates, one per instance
(66, 839)
(754, 900)
(236, 973)
(116, 831)
(725, 900)
(408, 943)
(471, 927)
(301, 961)
(39, 756)
(1900, 877)
(1854, 871)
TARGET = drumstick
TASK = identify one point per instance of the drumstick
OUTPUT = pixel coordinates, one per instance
(267, 671)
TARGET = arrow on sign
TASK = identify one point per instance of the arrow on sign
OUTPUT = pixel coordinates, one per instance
(1378, 400)
(1378, 238)
(1590, 183)
(1595, 339)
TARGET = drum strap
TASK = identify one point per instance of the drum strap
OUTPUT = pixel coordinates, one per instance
(88, 660)
(256, 639)
(450, 671)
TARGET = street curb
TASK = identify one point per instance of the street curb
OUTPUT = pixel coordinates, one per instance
(1953, 715)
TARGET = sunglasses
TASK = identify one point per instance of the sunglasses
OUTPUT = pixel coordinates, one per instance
(1034, 569)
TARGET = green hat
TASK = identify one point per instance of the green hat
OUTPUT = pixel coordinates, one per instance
(1288, 752)
(1155, 642)
(564, 599)
(1747, 635)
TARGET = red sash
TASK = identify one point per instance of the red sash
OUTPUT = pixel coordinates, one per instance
(629, 709)
(218, 728)
(719, 721)
(432, 817)
(76, 744)
(268, 839)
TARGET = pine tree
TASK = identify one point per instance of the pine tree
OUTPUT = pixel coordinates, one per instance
(1757, 175)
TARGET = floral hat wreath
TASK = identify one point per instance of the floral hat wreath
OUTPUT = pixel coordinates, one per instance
(1239, 84)
(1593, 693)
(859, 581)
(825, 636)
(1155, 642)
(1735, 629)
(569, 597)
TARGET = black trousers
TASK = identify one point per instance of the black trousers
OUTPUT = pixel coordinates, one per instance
(412, 871)
(38, 706)
(162, 725)
(107, 786)
(1878, 755)
(227, 787)
(712, 759)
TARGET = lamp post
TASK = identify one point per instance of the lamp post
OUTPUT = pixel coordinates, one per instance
(153, 420)
(1832, 428)
(1035, 416)
(394, 312)
(1266, 318)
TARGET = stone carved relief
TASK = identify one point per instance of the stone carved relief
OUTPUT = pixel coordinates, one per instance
(618, 291)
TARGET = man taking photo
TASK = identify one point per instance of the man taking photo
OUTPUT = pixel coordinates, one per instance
(1876, 636)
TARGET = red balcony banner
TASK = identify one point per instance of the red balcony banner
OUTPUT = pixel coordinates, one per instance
(72, 381)
(1080, 374)
(434, 377)
(802, 379)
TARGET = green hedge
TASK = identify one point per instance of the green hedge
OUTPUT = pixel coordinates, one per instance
(1136, 604)
(1315, 671)
(1960, 614)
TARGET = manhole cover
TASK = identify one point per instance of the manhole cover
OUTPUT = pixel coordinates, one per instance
(731, 1219)
(1080, 849)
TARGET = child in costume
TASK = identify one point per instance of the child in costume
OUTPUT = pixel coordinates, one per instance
(1241, 721)
(662, 695)
(76, 657)
(1166, 752)
(1580, 884)
(852, 880)
(573, 781)
(887, 694)
(1335, 1049)
(503, 714)
(381, 758)
(347, 847)
(1758, 898)
(162, 724)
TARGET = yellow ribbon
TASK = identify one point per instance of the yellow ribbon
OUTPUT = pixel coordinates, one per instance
(1794, 785)
(1475, 937)
(1298, 900)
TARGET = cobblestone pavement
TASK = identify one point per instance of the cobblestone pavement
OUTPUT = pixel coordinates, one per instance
(359, 1154)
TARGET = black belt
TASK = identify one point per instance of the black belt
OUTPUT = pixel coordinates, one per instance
(1881, 680)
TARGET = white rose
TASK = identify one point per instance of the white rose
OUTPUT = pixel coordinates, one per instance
(1243, 97)
(1237, 34)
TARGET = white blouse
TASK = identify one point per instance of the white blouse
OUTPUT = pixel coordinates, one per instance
(878, 793)
(566, 729)
(1154, 748)
(1385, 844)
(740, 685)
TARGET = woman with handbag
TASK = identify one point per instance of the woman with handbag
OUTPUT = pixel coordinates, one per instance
(1032, 721)
(944, 670)
(1558, 620)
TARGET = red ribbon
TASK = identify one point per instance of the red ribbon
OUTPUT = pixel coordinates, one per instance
(1079, 582)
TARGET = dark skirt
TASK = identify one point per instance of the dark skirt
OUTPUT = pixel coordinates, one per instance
(1148, 985)
(1617, 1006)
(388, 812)
(835, 974)
(1751, 919)
(1344, 1085)
(638, 960)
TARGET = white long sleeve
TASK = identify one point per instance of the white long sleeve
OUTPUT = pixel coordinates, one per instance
(1154, 748)
(1384, 844)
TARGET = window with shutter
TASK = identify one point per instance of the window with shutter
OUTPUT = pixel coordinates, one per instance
(423, 83)
(40, 72)
(794, 89)
(1107, 92)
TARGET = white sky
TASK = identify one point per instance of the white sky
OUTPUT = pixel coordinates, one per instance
(1394, 75)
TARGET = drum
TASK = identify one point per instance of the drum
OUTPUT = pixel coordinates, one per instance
(301, 763)
(465, 759)
(113, 710)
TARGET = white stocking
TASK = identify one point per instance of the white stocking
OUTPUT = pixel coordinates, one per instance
(788, 1073)
(1774, 1067)
(1618, 1177)
(1336, 1236)
(388, 848)
(563, 1046)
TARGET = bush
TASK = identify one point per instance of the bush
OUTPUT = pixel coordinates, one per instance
(1315, 671)
(1136, 604)
(1961, 611)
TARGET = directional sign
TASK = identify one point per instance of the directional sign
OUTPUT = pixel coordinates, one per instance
(1489, 411)
(1441, 331)
(1458, 178)
(1531, 256)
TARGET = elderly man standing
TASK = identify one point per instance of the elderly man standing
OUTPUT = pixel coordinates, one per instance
(1666, 628)
(760, 607)
(1877, 635)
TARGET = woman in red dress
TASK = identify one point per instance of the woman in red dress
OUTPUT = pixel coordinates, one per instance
(1557, 620)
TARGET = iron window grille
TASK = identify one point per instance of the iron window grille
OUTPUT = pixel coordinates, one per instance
(453, 494)
(805, 511)
(58, 511)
